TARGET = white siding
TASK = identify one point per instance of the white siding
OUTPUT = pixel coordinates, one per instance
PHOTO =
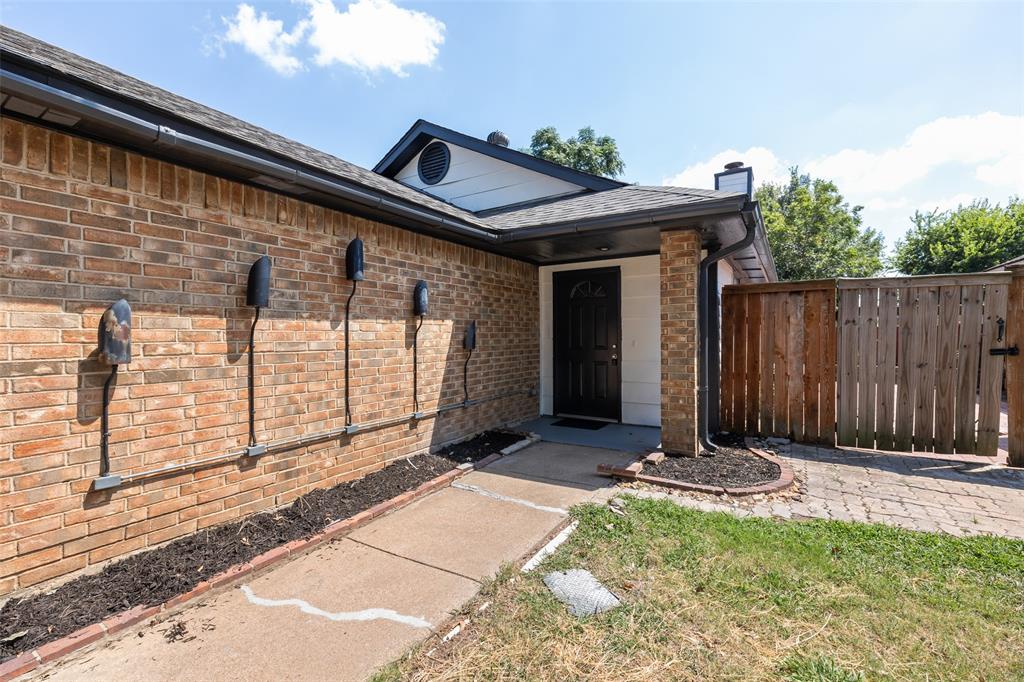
(641, 337)
(477, 182)
(733, 182)
(726, 275)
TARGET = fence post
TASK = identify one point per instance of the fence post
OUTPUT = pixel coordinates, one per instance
(1015, 367)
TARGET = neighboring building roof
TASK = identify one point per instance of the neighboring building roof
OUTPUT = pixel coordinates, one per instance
(1012, 263)
(422, 132)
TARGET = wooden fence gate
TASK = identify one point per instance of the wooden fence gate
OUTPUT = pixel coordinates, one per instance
(779, 360)
(907, 367)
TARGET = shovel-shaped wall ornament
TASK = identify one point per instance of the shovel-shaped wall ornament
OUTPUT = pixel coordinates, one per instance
(115, 350)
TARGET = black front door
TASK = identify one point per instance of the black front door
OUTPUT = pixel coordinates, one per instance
(587, 343)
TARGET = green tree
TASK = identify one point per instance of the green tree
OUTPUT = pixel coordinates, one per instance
(814, 234)
(586, 152)
(967, 239)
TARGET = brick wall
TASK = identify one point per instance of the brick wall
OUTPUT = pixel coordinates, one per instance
(680, 257)
(84, 224)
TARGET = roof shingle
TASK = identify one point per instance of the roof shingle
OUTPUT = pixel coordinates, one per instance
(621, 201)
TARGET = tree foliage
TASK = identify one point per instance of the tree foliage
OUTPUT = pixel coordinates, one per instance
(586, 152)
(967, 239)
(814, 234)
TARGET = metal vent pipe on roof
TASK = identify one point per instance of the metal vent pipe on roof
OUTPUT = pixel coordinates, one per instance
(499, 138)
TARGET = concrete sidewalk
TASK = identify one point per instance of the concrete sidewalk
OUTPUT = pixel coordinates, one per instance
(351, 606)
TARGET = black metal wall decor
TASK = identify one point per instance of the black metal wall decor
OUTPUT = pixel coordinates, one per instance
(257, 295)
(353, 273)
(419, 308)
(354, 261)
(419, 299)
(115, 350)
(468, 343)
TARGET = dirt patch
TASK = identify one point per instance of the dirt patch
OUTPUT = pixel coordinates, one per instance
(152, 577)
(728, 467)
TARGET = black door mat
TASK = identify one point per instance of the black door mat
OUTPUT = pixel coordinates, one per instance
(587, 424)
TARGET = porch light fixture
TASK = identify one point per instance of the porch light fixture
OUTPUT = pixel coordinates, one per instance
(353, 273)
(468, 343)
(115, 350)
(419, 309)
(257, 295)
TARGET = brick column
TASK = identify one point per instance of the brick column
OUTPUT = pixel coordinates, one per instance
(680, 257)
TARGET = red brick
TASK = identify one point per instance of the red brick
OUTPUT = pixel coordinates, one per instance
(230, 575)
(96, 223)
(199, 590)
(17, 666)
(128, 618)
(269, 557)
(65, 645)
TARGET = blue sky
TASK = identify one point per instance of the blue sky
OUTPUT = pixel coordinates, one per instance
(906, 106)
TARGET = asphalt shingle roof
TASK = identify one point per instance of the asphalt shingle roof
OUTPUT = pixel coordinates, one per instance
(612, 202)
(123, 85)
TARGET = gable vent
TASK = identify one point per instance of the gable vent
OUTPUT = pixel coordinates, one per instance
(434, 161)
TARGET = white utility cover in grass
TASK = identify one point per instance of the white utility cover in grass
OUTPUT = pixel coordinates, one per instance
(580, 591)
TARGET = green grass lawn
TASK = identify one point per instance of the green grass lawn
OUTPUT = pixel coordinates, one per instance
(708, 596)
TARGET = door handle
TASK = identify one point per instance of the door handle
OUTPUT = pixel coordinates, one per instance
(615, 358)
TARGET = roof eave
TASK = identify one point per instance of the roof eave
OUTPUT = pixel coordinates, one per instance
(141, 134)
(667, 217)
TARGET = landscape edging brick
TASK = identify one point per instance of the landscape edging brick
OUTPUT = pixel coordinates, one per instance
(29, 660)
(631, 472)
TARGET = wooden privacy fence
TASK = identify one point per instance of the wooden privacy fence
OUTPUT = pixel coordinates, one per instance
(915, 368)
(882, 363)
(778, 373)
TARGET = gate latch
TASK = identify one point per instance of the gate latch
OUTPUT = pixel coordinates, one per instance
(1012, 350)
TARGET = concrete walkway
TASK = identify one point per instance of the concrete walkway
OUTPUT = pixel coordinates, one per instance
(912, 492)
(351, 606)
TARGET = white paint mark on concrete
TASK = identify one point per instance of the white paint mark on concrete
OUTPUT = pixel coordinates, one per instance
(364, 615)
(505, 498)
(549, 549)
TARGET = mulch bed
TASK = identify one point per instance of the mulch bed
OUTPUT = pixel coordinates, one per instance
(152, 577)
(728, 467)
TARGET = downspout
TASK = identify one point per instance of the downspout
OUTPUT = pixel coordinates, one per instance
(704, 331)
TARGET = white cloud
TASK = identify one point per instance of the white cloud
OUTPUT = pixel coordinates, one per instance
(880, 204)
(369, 36)
(374, 35)
(266, 38)
(767, 168)
(946, 203)
(968, 157)
(992, 143)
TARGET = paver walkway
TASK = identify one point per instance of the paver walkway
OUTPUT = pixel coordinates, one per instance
(910, 492)
(351, 606)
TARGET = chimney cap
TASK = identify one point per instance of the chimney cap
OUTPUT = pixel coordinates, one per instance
(499, 138)
(732, 165)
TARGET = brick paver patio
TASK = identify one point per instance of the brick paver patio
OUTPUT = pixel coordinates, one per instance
(910, 492)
